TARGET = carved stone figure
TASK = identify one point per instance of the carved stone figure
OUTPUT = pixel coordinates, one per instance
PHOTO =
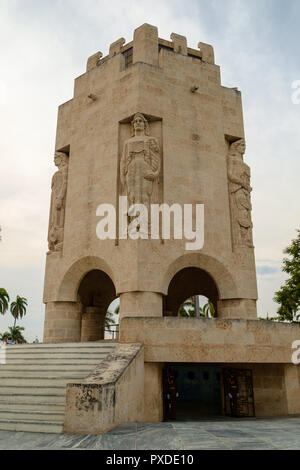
(58, 202)
(140, 163)
(240, 195)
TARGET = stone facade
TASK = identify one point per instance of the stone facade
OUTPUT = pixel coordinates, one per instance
(152, 121)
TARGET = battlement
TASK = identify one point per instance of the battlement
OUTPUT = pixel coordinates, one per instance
(147, 46)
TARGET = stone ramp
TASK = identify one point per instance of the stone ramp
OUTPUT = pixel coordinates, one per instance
(33, 382)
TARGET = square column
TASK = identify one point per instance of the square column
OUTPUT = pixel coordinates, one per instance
(141, 304)
(62, 322)
(145, 45)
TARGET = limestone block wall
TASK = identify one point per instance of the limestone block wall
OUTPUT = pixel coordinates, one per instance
(193, 340)
(292, 385)
(113, 394)
(153, 393)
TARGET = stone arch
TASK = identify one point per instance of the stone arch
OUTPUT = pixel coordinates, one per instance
(69, 286)
(187, 283)
(221, 275)
(95, 294)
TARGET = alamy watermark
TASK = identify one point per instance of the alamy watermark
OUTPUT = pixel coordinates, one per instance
(155, 222)
(296, 353)
(296, 93)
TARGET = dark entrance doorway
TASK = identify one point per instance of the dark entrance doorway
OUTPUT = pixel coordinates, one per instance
(199, 391)
(238, 393)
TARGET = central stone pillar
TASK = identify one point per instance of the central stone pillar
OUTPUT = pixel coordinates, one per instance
(244, 309)
(93, 323)
(141, 304)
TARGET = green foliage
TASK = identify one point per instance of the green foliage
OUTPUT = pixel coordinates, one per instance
(4, 301)
(18, 308)
(109, 319)
(14, 334)
(288, 297)
(188, 309)
(209, 310)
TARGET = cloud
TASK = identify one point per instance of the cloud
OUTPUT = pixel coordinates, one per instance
(266, 270)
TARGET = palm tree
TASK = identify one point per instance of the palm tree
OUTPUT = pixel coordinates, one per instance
(18, 308)
(109, 319)
(209, 310)
(14, 334)
(188, 309)
(4, 300)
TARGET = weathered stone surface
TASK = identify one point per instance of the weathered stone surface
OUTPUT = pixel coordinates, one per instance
(200, 340)
(111, 395)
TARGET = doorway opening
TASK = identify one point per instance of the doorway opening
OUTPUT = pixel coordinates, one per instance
(198, 391)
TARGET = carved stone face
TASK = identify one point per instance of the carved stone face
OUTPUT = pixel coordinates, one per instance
(59, 159)
(242, 147)
(139, 124)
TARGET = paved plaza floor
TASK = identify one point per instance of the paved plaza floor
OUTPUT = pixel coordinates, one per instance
(212, 434)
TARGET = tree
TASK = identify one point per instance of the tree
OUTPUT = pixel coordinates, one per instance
(188, 308)
(14, 334)
(209, 310)
(4, 301)
(18, 308)
(288, 297)
(109, 319)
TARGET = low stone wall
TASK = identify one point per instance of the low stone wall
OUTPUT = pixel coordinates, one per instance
(111, 395)
(200, 340)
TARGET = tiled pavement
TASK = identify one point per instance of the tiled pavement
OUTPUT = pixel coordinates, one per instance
(212, 434)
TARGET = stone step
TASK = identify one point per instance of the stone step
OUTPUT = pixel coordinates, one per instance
(62, 357)
(26, 368)
(35, 347)
(51, 351)
(33, 390)
(19, 381)
(49, 371)
(47, 361)
(53, 416)
(40, 405)
(33, 382)
(31, 426)
(30, 399)
(54, 352)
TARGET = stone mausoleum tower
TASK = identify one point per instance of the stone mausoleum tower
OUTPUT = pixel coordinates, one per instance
(151, 121)
(196, 125)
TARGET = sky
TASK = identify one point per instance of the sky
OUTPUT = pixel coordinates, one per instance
(44, 45)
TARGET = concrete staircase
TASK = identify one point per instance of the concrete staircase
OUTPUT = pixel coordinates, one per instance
(33, 382)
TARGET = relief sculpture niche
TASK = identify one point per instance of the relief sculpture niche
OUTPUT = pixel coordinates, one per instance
(140, 164)
(58, 203)
(240, 195)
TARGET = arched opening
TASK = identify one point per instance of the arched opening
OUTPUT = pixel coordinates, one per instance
(95, 294)
(188, 284)
(192, 391)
